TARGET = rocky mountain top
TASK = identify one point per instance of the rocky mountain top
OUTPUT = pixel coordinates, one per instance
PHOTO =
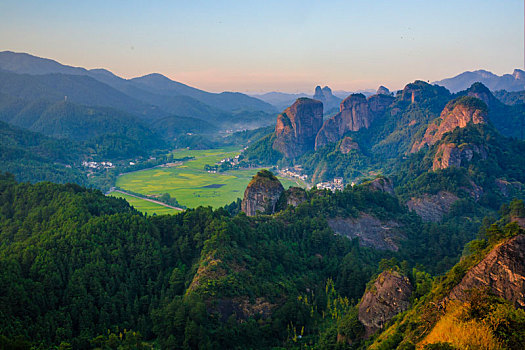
(297, 127)
(261, 194)
(457, 113)
(326, 96)
(382, 90)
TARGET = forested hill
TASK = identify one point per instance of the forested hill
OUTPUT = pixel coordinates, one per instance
(75, 264)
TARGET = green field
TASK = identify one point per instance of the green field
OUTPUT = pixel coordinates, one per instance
(144, 205)
(188, 182)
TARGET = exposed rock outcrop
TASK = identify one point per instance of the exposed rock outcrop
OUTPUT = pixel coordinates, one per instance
(262, 194)
(450, 154)
(507, 188)
(347, 144)
(370, 231)
(502, 272)
(379, 103)
(354, 114)
(432, 207)
(297, 127)
(326, 97)
(381, 184)
(242, 309)
(388, 296)
(456, 114)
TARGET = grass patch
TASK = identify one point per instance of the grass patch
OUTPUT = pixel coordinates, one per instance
(190, 184)
(144, 205)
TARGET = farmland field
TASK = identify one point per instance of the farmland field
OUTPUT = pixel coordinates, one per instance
(145, 206)
(190, 184)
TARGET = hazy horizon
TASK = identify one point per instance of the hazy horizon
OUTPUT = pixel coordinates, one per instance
(258, 47)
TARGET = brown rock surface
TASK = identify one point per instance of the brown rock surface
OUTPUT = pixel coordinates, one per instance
(456, 114)
(502, 272)
(297, 127)
(432, 207)
(450, 154)
(382, 184)
(295, 196)
(389, 295)
(261, 194)
(370, 231)
(379, 103)
(347, 144)
(354, 114)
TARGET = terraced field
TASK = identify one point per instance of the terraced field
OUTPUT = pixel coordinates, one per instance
(190, 184)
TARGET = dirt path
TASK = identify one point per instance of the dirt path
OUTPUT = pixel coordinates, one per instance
(149, 200)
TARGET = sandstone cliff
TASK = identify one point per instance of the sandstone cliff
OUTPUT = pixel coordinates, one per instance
(502, 272)
(379, 103)
(262, 194)
(388, 296)
(347, 144)
(456, 114)
(381, 184)
(450, 154)
(354, 114)
(297, 127)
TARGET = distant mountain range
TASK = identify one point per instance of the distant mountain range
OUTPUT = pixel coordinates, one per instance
(509, 82)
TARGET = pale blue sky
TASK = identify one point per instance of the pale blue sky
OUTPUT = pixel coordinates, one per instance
(270, 45)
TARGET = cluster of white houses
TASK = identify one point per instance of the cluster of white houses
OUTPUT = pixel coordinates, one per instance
(335, 185)
(98, 165)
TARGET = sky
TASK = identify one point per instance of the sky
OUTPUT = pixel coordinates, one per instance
(267, 45)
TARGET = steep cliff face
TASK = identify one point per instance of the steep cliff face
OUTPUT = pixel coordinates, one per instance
(432, 207)
(370, 231)
(502, 272)
(295, 196)
(450, 154)
(389, 295)
(297, 127)
(379, 103)
(262, 194)
(354, 114)
(382, 90)
(326, 97)
(456, 114)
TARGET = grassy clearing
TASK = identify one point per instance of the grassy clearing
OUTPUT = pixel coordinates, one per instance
(188, 182)
(144, 205)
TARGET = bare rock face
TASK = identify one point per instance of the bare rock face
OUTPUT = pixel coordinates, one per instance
(326, 97)
(431, 208)
(456, 114)
(382, 90)
(297, 127)
(262, 194)
(502, 272)
(379, 103)
(389, 296)
(508, 188)
(347, 144)
(450, 154)
(381, 184)
(354, 114)
(370, 231)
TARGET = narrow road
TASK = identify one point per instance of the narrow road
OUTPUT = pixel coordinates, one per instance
(149, 200)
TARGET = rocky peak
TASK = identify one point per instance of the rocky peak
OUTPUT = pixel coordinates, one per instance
(262, 194)
(456, 114)
(414, 91)
(478, 90)
(502, 272)
(297, 127)
(325, 95)
(382, 90)
(388, 296)
(379, 103)
(518, 74)
(354, 114)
